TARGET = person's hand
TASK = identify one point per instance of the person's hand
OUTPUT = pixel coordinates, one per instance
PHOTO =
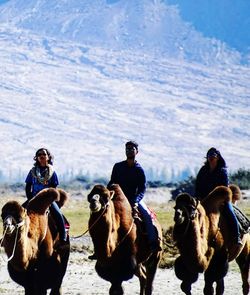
(135, 210)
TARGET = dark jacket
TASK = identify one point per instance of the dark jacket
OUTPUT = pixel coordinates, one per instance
(206, 181)
(132, 180)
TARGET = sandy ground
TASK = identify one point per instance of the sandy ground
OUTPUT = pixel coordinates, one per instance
(81, 279)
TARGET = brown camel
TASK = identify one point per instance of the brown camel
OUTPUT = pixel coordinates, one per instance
(31, 242)
(120, 245)
(205, 244)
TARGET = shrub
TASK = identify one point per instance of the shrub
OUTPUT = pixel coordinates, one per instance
(187, 186)
(241, 178)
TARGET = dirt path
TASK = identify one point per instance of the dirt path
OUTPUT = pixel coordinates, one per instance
(81, 279)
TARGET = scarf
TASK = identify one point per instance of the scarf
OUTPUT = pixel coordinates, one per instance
(45, 176)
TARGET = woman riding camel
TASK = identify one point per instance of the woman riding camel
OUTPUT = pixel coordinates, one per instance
(212, 174)
(42, 175)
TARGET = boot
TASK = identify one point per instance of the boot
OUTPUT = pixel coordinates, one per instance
(92, 257)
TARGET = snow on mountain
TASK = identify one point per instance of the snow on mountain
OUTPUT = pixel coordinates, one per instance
(148, 25)
(83, 99)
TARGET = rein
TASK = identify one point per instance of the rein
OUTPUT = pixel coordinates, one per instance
(128, 232)
(87, 230)
(104, 210)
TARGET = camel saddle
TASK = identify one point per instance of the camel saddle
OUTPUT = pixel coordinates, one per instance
(243, 221)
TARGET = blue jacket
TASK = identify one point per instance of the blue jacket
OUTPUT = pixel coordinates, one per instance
(206, 181)
(36, 186)
(132, 180)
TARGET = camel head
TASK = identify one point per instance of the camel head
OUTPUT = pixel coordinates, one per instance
(185, 208)
(99, 198)
(13, 216)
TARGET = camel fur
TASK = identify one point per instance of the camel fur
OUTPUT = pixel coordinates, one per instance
(205, 244)
(30, 241)
(120, 247)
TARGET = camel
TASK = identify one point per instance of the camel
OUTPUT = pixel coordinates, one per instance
(119, 243)
(204, 241)
(31, 242)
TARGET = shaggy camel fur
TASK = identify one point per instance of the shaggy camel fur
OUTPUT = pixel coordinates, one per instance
(30, 241)
(119, 244)
(205, 243)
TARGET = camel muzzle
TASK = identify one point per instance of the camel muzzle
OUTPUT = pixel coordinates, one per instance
(9, 225)
(178, 216)
(95, 204)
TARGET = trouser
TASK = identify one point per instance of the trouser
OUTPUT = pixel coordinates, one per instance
(232, 220)
(55, 211)
(150, 228)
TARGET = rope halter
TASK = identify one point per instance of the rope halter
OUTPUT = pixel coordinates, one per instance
(9, 228)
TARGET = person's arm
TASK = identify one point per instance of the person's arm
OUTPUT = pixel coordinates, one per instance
(141, 186)
(113, 177)
(54, 180)
(198, 185)
(28, 186)
(28, 191)
(224, 177)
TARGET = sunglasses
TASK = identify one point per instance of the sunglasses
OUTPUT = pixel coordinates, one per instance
(41, 154)
(132, 148)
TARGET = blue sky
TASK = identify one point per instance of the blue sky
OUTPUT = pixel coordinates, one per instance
(226, 20)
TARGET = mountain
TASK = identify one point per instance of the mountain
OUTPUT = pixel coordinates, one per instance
(83, 88)
(148, 25)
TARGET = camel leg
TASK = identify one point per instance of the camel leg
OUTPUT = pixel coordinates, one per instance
(184, 275)
(151, 268)
(56, 291)
(208, 288)
(141, 273)
(116, 289)
(32, 291)
(243, 262)
(215, 273)
(220, 287)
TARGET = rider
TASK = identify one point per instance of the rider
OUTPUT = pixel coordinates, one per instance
(131, 177)
(42, 175)
(212, 174)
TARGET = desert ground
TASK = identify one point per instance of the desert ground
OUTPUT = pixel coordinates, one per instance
(81, 279)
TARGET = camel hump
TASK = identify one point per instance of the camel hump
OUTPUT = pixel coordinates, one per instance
(41, 201)
(63, 197)
(236, 192)
(117, 189)
(217, 198)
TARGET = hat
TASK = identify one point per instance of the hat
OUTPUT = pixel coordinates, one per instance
(133, 143)
(213, 153)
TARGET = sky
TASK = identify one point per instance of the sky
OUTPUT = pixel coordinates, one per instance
(226, 20)
(138, 71)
